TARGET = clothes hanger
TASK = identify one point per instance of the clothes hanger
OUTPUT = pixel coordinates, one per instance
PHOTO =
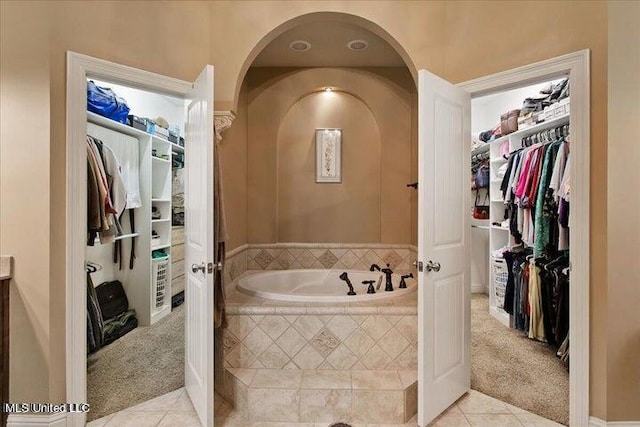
(92, 267)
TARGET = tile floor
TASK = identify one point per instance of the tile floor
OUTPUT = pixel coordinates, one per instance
(174, 410)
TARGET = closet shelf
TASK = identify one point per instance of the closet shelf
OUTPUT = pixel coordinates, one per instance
(116, 126)
(161, 160)
(483, 227)
(481, 149)
(155, 248)
(160, 200)
(521, 133)
(556, 121)
(176, 147)
(160, 139)
(495, 227)
(160, 220)
(499, 160)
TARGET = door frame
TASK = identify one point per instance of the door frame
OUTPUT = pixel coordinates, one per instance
(79, 68)
(576, 66)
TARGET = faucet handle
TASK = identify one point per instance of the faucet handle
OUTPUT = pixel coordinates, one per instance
(403, 284)
(371, 289)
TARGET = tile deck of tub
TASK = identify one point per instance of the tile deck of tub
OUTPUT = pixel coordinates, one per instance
(240, 303)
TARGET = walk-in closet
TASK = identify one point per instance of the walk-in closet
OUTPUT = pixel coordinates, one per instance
(135, 246)
(520, 163)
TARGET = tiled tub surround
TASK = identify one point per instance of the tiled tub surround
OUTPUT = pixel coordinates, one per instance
(318, 362)
(286, 256)
(340, 361)
(379, 334)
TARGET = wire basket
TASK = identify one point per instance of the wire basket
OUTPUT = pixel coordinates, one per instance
(500, 277)
(160, 275)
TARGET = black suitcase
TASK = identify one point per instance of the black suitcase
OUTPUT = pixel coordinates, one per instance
(112, 299)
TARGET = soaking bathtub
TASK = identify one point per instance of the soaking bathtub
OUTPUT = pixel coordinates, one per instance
(319, 285)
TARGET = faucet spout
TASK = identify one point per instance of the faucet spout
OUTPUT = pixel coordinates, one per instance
(344, 276)
(388, 285)
(374, 267)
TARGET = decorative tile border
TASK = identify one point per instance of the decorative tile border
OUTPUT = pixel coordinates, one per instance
(308, 341)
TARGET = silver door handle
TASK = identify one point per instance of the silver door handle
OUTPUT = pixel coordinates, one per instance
(198, 267)
(433, 266)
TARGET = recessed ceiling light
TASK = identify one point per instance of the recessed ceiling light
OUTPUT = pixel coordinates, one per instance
(300, 45)
(328, 89)
(358, 44)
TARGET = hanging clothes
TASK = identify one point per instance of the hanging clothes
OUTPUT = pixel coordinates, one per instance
(106, 194)
(127, 150)
(99, 207)
(536, 191)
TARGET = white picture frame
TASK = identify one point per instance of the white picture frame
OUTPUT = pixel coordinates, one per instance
(328, 155)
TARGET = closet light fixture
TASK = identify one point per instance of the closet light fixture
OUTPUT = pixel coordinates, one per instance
(299, 45)
(358, 44)
(328, 89)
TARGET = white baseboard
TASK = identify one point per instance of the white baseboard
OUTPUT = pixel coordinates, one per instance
(37, 420)
(597, 422)
(478, 288)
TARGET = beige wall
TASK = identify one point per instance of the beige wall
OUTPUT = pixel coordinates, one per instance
(417, 28)
(24, 193)
(373, 109)
(456, 40)
(233, 162)
(35, 37)
(562, 27)
(623, 294)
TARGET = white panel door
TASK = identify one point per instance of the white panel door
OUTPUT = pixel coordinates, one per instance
(199, 244)
(443, 245)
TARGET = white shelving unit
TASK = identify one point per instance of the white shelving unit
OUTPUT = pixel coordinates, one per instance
(155, 190)
(499, 236)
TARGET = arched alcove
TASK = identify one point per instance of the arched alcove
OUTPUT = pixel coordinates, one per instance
(327, 17)
(271, 98)
(326, 213)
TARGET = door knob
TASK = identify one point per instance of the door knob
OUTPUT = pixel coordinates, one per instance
(433, 266)
(198, 267)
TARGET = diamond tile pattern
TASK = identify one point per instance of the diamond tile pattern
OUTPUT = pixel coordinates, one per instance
(342, 326)
(312, 341)
(308, 358)
(328, 259)
(392, 258)
(356, 257)
(263, 259)
(325, 342)
(274, 326)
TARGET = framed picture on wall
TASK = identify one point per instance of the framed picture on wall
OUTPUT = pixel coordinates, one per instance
(328, 155)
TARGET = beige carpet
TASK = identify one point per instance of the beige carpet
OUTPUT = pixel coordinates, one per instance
(510, 367)
(145, 363)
